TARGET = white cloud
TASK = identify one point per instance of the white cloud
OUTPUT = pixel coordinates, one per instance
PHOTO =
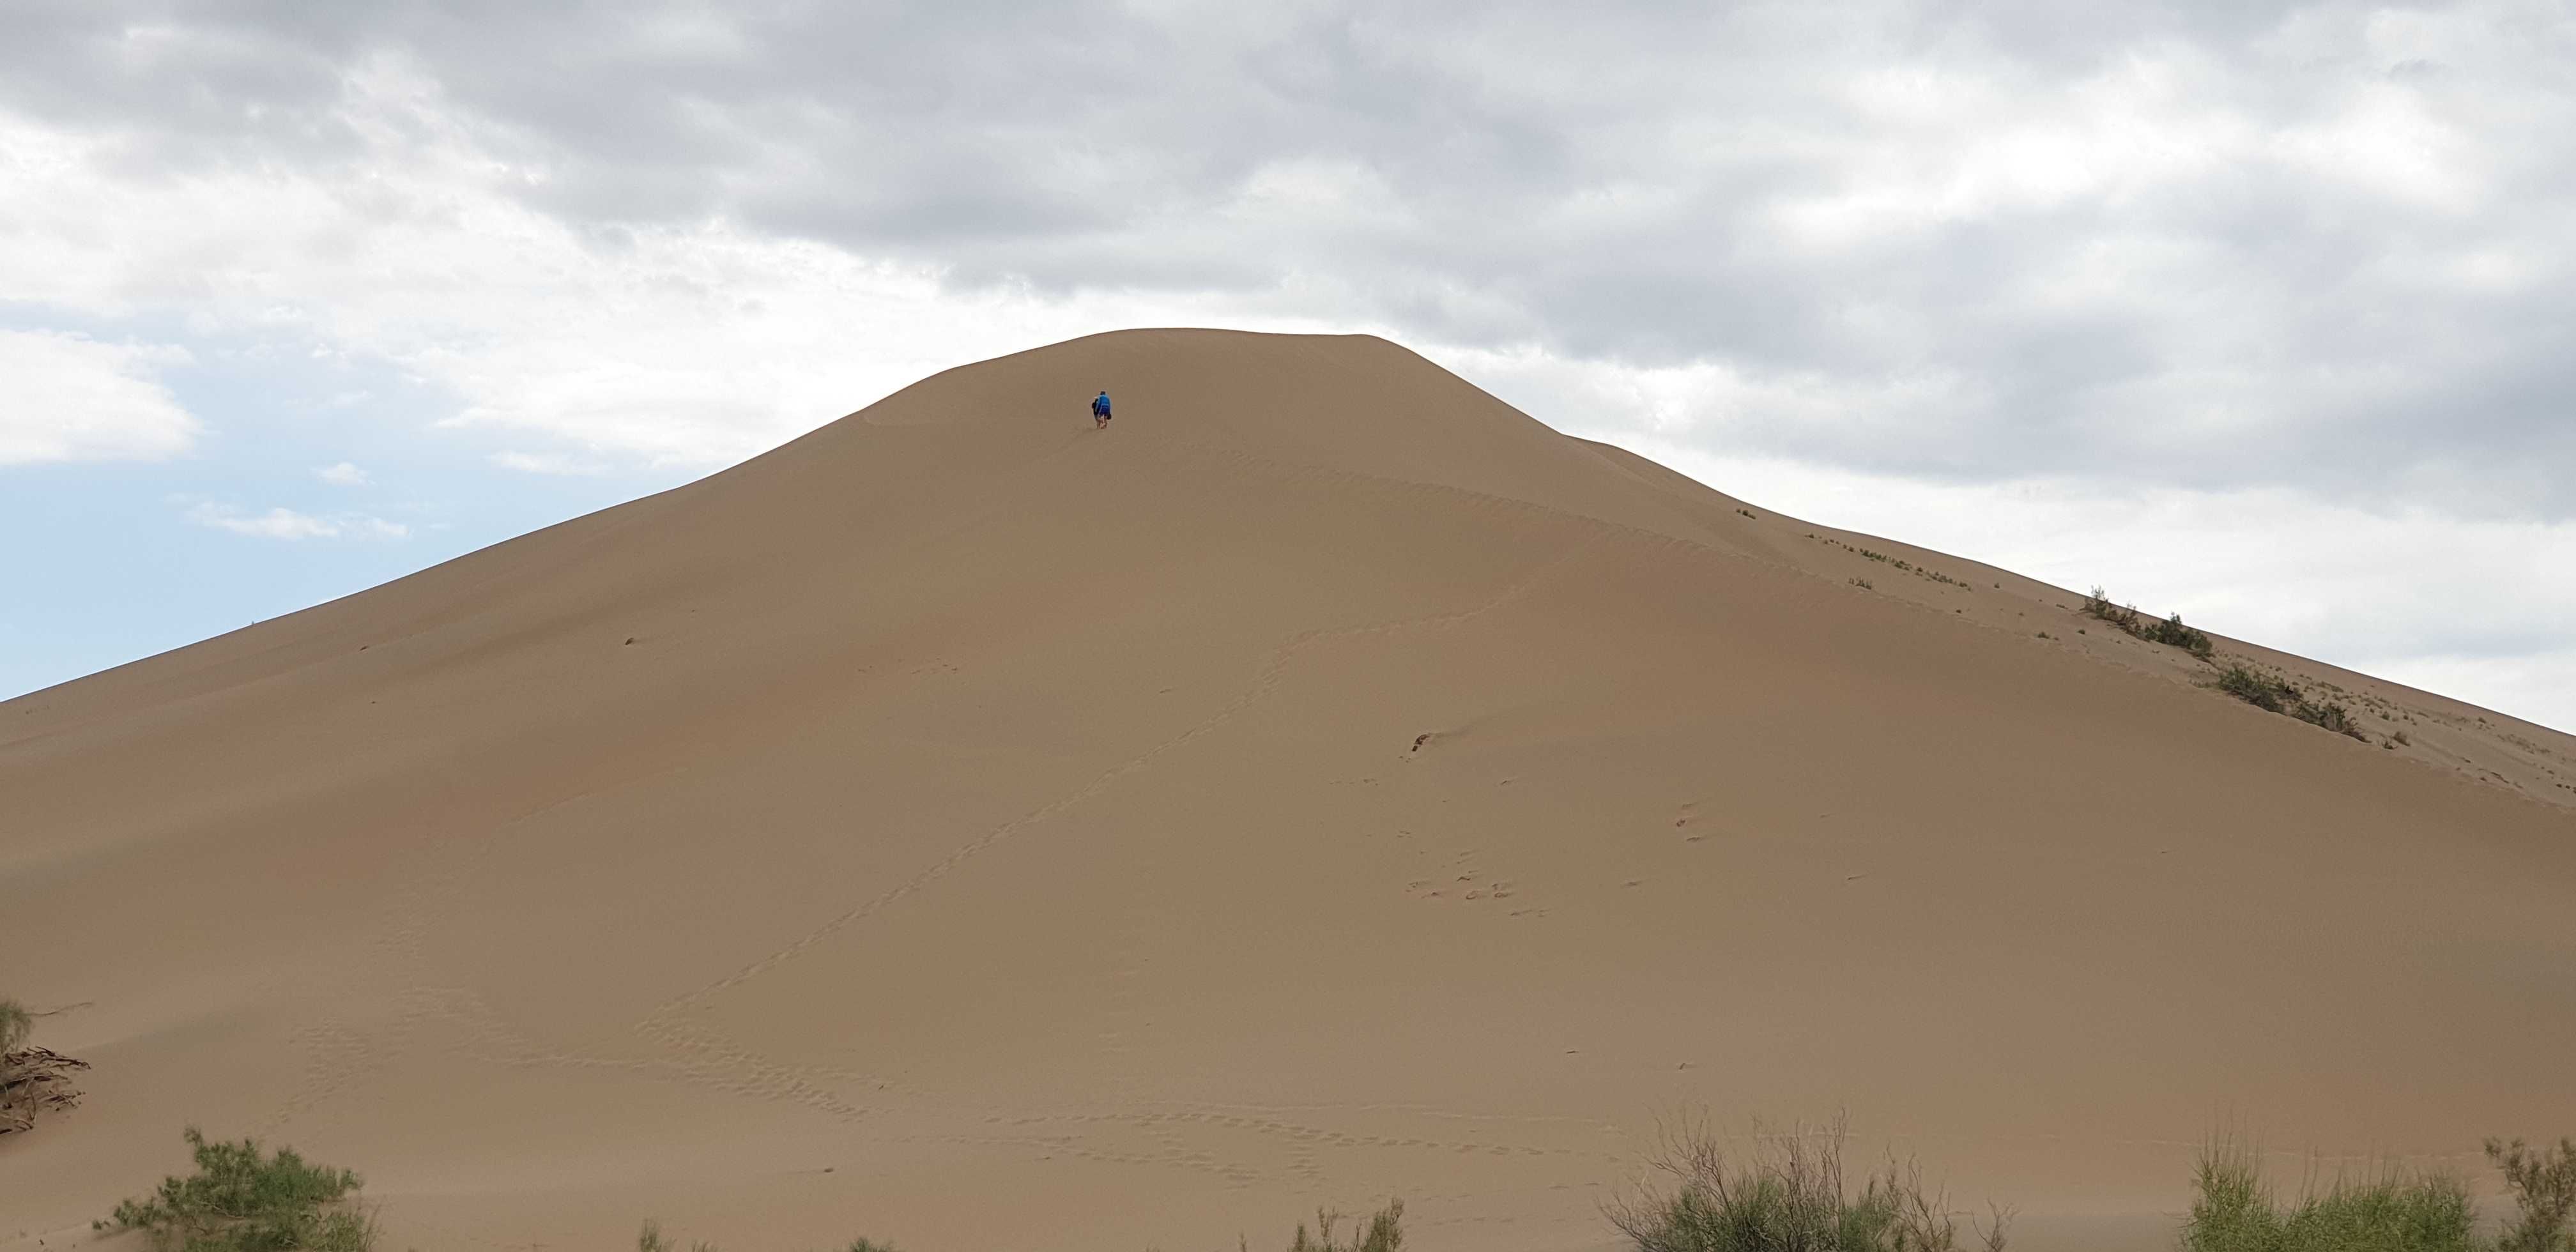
(344, 474)
(67, 397)
(686, 345)
(554, 463)
(285, 523)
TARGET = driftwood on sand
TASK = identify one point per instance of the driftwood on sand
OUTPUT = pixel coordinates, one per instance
(35, 1081)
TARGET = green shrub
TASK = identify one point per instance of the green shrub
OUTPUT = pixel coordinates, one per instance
(1383, 1232)
(241, 1200)
(2544, 1184)
(1788, 1195)
(2234, 1210)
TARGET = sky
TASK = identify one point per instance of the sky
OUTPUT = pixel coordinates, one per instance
(2258, 312)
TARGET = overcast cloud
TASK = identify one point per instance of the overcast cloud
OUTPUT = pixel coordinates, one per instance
(2292, 281)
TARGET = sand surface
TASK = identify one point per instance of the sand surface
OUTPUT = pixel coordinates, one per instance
(969, 829)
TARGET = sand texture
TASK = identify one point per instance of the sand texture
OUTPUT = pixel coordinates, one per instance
(969, 829)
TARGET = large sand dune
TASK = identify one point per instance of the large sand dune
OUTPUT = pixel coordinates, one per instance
(965, 828)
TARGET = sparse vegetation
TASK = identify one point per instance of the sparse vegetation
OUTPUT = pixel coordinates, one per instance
(244, 1200)
(1863, 584)
(1898, 564)
(1789, 1194)
(2167, 630)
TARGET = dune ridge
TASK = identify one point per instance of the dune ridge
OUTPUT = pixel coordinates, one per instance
(967, 828)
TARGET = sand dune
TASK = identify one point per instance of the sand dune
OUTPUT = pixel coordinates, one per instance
(965, 828)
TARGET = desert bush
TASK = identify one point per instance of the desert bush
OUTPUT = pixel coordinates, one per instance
(2330, 715)
(243, 1200)
(2268, 694)
(2544, 1185)
(2234, 1210)
(2171, 632)
(2272, 695)
(2099, 604)
(1382, 1232)
(2168, 630)
(1789, 1194)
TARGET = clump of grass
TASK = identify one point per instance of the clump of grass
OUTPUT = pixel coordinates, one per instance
(2167, 630)
(2234, 1210)
(244, 1200)
(1789, 1194)
(653, 1240)
(16, 1026)
(1382, 1232)
(2543, 1183)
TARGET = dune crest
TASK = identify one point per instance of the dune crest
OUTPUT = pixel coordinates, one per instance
(967, 828)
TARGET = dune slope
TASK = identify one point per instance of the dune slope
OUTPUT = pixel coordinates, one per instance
(965, 828)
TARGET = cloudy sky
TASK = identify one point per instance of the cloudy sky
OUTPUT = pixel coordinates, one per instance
(2263, 312)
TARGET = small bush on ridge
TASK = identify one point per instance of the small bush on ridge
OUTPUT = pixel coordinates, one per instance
(2168, 631)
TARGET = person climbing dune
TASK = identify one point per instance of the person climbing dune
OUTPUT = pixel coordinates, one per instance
(1100, 411)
